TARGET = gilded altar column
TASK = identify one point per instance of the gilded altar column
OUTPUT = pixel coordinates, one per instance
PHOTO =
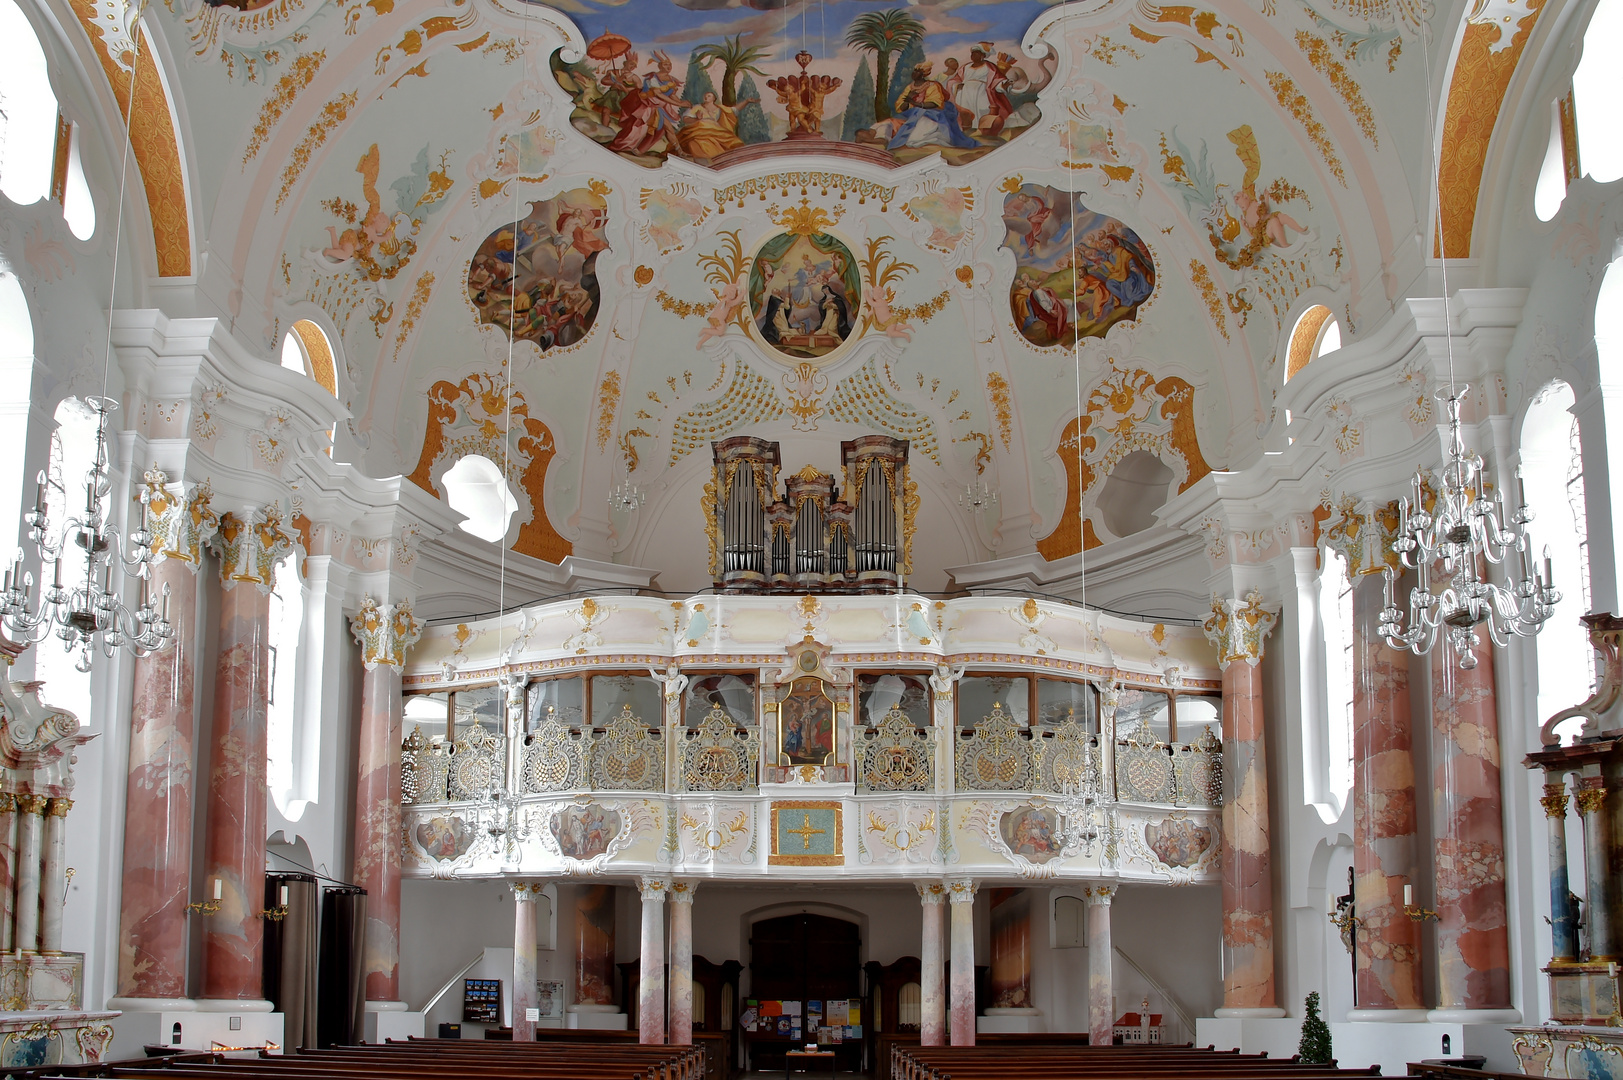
(1599, 883)
(525, 987)
(1563, 927)
(681, 1010)
(250, 545)
(30, 837)
(962, 895)
(1473, 943)
(1238, 628)
(160, 787)
(651, 983)
(384, 632)
(932, 991)
(1384, 824)
(53, 886)
(1101, 954)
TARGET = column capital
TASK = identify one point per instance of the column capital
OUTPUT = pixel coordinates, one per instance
(931, 892)
(1554, 800)
(962, 890)
(384, 632)
(58, 807)
(31, 804)
(1100, 894)
(250, 543)
(180, 523)
(526, 891)
(1590, 796)
(1238, 627)
(8, 803)
(654, 888)
(682, 891)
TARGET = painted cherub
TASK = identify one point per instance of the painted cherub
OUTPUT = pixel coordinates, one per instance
(1258, 219)
(884, 319)
(728, 301)
(375, 226)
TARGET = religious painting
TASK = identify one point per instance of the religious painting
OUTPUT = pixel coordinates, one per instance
(540, 284)
(1077, 271)
(1178, 841)
(806, 834)
(804, 293)
(445, 839)
(886, 85)
(806, 731)
(1032, 832)
(584, 832)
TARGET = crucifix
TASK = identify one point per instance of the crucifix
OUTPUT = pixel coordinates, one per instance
(805, 832)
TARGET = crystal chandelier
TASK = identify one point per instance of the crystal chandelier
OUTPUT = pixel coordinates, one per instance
(977, 498)
(626, 497)
(90, 614)
(1463, 532)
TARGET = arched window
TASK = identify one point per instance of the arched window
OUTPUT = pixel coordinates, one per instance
(476, 489)
(1316, 332)
(306, 349)
(73, 450)
(16, 383)
(78, 208)
(1597, 87)
(1336, 620)
(286, 627)
(1551, 190)
(1552, 479)
(28, 117)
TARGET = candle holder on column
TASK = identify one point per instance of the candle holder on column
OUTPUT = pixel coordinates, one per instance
(1415, 912)
(205, 907)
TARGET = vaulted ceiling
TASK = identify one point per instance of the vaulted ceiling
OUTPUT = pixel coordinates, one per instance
(1105, 210)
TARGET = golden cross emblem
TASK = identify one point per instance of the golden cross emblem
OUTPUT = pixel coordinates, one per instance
(805, 832)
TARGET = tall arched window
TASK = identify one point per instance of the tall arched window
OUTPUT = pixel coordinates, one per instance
(1597, 87)
(16, 385)
(1553, 480)
(1336, 620)
(286, 627)
(1316, 333)
(28, 117)
(73, 449)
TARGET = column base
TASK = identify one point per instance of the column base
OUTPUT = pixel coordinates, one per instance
(1388, 1016)
(1474, 1016)
(393, 1023)
(151, 1004)
(234, 1005)
(1249, 1014)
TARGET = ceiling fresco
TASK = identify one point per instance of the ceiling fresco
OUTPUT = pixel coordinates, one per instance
(1063, 244)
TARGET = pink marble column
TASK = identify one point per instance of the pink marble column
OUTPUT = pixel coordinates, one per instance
(681, 1012)
(594, 947)
(962, 895)
(158, 800)
(1238, 628)
(8, 866)
(30, 848)
(384, 633)
(1101, 980)
(651, 984)
(234, 845)
(1011, 948)
(1473, 946)
(524, 958)
(1384, 825)
(932, 992)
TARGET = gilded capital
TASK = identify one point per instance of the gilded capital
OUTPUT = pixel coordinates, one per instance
(31, 804)
(8, 803)
(1589, 800)
(1238, 627)
(653, 888)
(931, 892)
(525, 891)
(59, 807)
(962, 891)
(384, 632)
(180, 523)
(250, 545)
(682, 891)
(1554, 800)
(1099, 894)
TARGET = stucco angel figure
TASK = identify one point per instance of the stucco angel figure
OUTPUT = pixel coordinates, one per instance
(945, 675)
(728, 300)
(672, 680)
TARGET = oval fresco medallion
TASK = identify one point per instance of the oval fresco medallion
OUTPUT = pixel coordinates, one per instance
(1077, 272)
(805, 294)
(585, 832)
(445, 839)
(1178, 841)
(543, 287)
(1032, 832)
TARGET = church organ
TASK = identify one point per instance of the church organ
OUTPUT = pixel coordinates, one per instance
(815, 536)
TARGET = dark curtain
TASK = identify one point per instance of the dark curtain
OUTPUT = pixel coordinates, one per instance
(343, 981)
(290, 956)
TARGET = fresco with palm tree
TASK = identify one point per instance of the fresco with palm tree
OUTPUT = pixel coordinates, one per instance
(714, 81)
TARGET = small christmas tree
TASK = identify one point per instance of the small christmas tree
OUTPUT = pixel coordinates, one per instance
(1315, 1045)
